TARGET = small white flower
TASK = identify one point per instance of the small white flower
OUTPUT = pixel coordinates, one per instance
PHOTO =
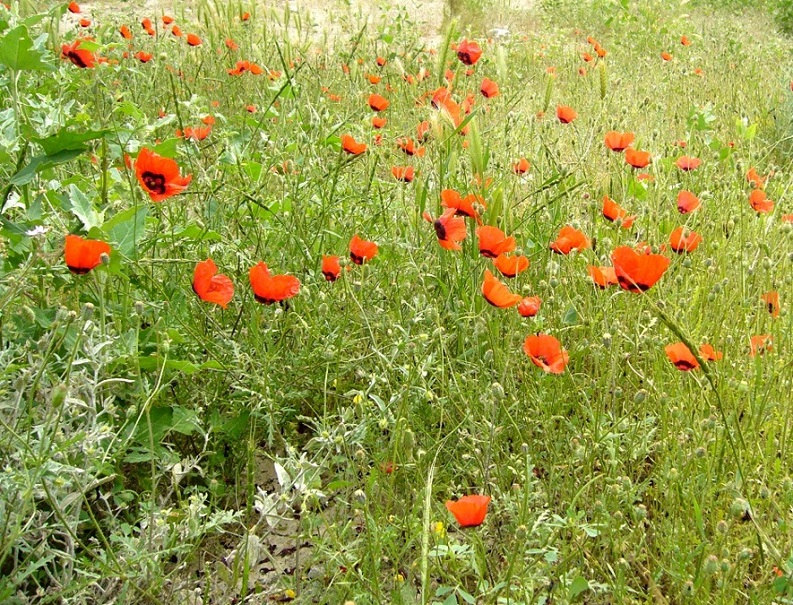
(37, 231)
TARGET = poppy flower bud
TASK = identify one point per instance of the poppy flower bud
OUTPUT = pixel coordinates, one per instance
(359, 495)
(88, 311)
(497, 390)
(104, 258)
(139, 307)
(617, 393)
(640, 396)
(59, 395)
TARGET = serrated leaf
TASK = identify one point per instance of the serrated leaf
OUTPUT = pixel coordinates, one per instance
(17, 52)
(83, 209)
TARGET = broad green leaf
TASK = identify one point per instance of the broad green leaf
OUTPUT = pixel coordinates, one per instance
(578, 586)
(126, 229)
(83, 209)
(570, 316)
(167, 148)
(64, 140)
(18, 53)
(42, 162)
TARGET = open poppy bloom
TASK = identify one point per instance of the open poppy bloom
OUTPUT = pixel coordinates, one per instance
(74, 8)
(708, 353)
(771, 300)
(760, 344)
(565, 114)
(167, 19)
(493, 241)
(468, 52)
(463, 205)
(378, 122)
(546, 352)
(159, 176)
(680, 355)
(637, 272)
(511, 266)
(614, 212)
(82, 255)
(522, 166)
(619, 141)
(469, 511)
(78, 56)
(760, 202)
(687, 202)
(351, 146)
(488, 88)
(569, 239)
(378, 103)
(666, 56)
(176, 31)
(403, 173)
(603, 277)
(209, 286)
(409, 147)
(331, 268)
(529, 306)
(242, 66)
(687, 164)
(685, 41)
(362, 250)
(450, 229)
(125, 32)
(193, 40)
(143, 56)
(269, 289)
(497, 294)
(682, 240)
(85, 22)
(637, 159)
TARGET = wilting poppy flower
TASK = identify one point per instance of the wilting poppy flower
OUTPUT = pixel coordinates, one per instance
(708, 353)
(522, 166)
(362, 250)
(82, 255)
(463, 205)
(760, 202)
(683, 240)
(378, 122)
(546, 352)
(159, 176)
(565, 114)
(569, 239)
(79, 56)
(143, 56)
(529, 306)
(351, 146)
(685, 41)
(489, 89)
(603, 277)
(450, 229)
(511, 266)
(493, 241)
(687, 202)
(269, 289)
(74, 8)
(637, 159)
(468, 52)
(666, 56)
(687, 164)
(637, 272)
(760, 344)
(619, 141)
(771, 300)
(218, 289)
(497, 294)
(614, 212)
(755, 179)
(680, 355)
(331, 268)
(378, 103)
(469, 511)
(193, 40)
(403, 173)
(125, 32)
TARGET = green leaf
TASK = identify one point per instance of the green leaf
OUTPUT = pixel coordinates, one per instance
(64, 140)
(83, 209)
(126, 229)
(578, 586)
(41, 163)
(167, 148)
(18, 53)
(570, 316)
(198, 234)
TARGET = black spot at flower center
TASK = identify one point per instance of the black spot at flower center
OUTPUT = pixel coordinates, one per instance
(440, 230)
(154, 182)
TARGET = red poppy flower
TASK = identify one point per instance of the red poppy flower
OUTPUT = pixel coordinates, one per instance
(771, 300)
(82, 255)
(373, 78)
(470, 511)
(409, 147)
(125, 32)
(146, 23)
(511, 266)
(546, 352)
(362, 250)
(231, 44)
(167, 20)
(522, 166)
(423, 130)
(85, 22)
(143, 56)
(403, 173)
(378, 122)
(619, 141)
(468, 52)
(74, 8)
(493, 241)
(463, 205)
(685, 41)
(614, 212)
(351, 146)
(193, 40)
(569, 239)
(755, 179)
(760, 344)
(760, 202)
(587, 57)
(79, 56)
(603, 277)
(637, 272)
(250, 108)
(601, 52)
(680, 355)
(666, 56)
(497, 294)
(682, 240)
(449, 228)
(529, 306)
(331, 268)
(378, 103)
(269, 289)
(176, 31)
(565, 114)
(708, 353)
(159, 176)
(488, 88)
(687, 202)
(380, 61)
(637, 159)
(687, 164)
(245, 16)
(218, 289)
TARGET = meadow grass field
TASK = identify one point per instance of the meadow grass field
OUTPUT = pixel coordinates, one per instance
(360, 312)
